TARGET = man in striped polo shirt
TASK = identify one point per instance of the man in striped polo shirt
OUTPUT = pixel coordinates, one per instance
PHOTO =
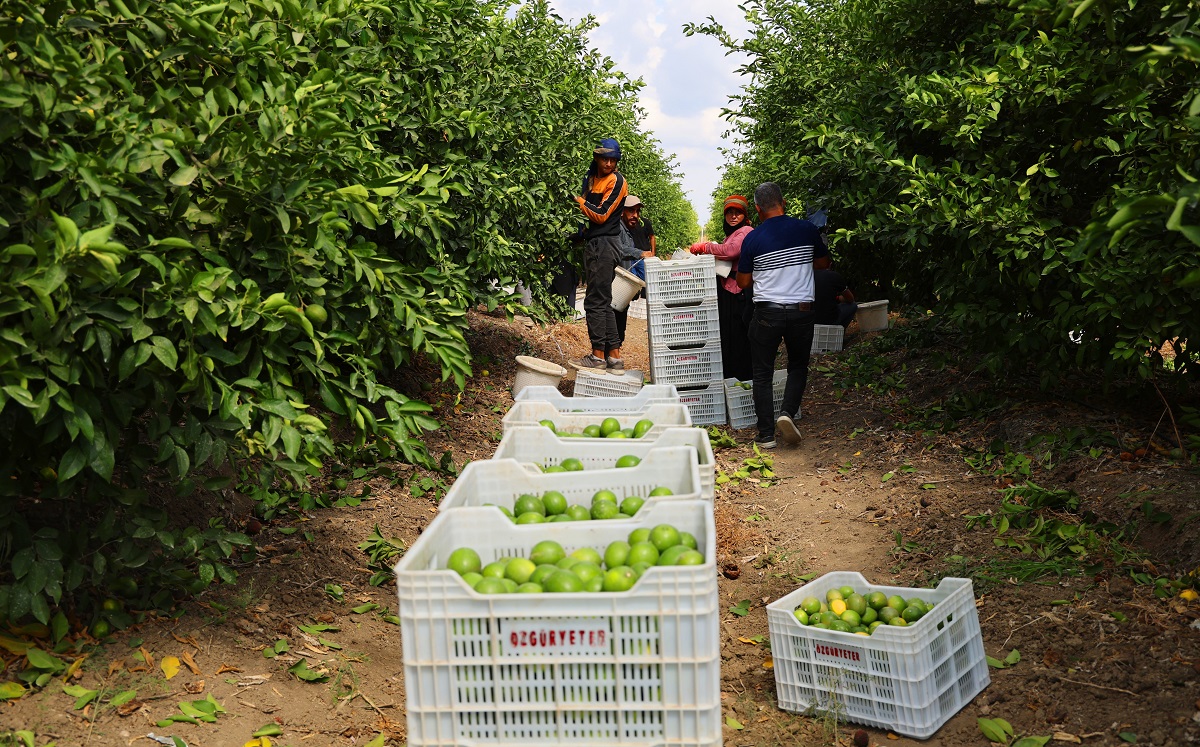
(777, 258)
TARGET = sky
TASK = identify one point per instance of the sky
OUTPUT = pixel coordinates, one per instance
(688, 79)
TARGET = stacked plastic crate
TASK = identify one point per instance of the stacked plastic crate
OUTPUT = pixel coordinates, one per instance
(640, 667)
(685, 333)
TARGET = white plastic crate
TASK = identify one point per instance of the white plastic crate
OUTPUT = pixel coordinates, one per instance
(592, 384)
(638, 668)
(910, 680)
(533, 412)
(650, 394)
(681, 281)
(696, 367)
(827, 338)
(537, 445)
(706, 404)
(683, 326)
(502, 481)
(740, 402)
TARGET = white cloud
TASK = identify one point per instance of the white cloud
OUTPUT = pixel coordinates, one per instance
(688, 79)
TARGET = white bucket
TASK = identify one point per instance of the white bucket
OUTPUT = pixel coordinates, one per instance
(536, 372)
(872, 316)
(625, 286)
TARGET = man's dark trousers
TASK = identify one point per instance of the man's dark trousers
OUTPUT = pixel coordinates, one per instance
(767, 329)
(600, 259)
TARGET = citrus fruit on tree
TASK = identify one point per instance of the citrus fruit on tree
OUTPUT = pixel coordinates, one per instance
(604, 510)
(519, 569)
(619, 578)
(616, 554)
(491, 585)
(101, 629)
(609, 425)
(571, 464)
(563, 582)
(464, 560)
(643, 552)
(111, 605)
(664, 536)
(529, 504)
(316, 314)
(631, 505)
(660, 491)
(642, 427)
(554, 502)
(547, 551)
(587, 555)
(629, 460)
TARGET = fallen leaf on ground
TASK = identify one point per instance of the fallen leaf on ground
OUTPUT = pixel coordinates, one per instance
(195, 688)
(189, 662)
(189, 640)
(114, 667)
(170, 666)
(130, 708)
(228, 668)
(1062, 736)
(768, 663)
(147, 656)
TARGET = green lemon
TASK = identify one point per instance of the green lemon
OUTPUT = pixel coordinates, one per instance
(587, 555)
(670, 556)
(495, 569)
(643, 552)
(639, 535)
(604, 510)
(464, 560)
(529, 504)
(898, 621)
(832, 594)
(316, 314)
(811, 605)
(542, 572)
(531, 517)
(617, 434)
(840, 625)
(622, 515)
(919, 604)
(519, 570)
(660, 491)
(877, 600)
(609, 425)
(529, 588)
(629, 460)
(827, 618)
(510, 586)
(800, 615)
(689, 557)
(491, 585)
(547, 551)
(642, 427)
(897, 603)
(571, 464)
(912, 613)
(628, 432)
(101, 629)
(594, 585)
(563, 582)
(887, 614)
(549, 424)
(558, 519)
(586, 570)
(503, 510)
(664, 536)
(471, 578)
(852, 618)
(869, 616)
(553, 469)
(846, 591)
(604, 495)
(616, 554)
(592, 431)
(579, 513)
(566, 563)
(641, 567)
(857, 603)
(631, 505)
(554, 502)
(111, 605)
(620, 578)
(340, 483)
(876, 624)
(687, 539)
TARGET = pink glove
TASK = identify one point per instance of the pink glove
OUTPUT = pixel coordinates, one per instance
(698, 248)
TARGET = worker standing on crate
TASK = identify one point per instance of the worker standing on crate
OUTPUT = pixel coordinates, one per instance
(604, 191)
(732, 313)
(777, 258)
(637, 243)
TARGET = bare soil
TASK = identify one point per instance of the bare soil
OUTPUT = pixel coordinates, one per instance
(876, 487)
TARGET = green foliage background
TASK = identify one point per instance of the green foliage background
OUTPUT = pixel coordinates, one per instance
(222, 225)
(1027, 167)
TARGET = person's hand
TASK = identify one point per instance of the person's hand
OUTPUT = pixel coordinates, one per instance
(698, 248)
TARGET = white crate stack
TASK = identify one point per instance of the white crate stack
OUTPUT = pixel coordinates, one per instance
(685, 333)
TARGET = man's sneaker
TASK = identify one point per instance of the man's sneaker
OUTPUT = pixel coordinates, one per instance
(787, 431)
(765, 444)
(615, 366)
(589, 361)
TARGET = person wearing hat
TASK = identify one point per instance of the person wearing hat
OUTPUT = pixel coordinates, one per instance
(732, 311)
(637, 243)
(602, 199)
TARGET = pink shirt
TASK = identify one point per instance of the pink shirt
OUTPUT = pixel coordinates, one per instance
(731, 250)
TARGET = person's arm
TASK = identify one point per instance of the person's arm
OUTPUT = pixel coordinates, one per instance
(846, 296)
(611, 202)
(745, 280)
(653, 247)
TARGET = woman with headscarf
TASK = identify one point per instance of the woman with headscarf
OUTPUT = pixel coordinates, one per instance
(732, 301)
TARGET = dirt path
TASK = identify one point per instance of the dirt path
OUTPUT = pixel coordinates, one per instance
(1083, 672)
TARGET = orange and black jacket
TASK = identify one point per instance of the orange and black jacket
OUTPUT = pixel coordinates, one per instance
(602, 201)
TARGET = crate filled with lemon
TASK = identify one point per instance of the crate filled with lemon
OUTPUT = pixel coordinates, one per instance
(891, 657)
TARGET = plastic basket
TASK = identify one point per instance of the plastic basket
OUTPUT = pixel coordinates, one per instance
(650, 394)
(696, 367)
(537, 445)
(740, 402)
(674, 282)
(536, 372)
(872, 316)
(502, 481)
(625, 286)
(683, 326)
(827, 338)
(532, 413)
(638, 668)
(706, 404)
(593, 384)
(910, 680)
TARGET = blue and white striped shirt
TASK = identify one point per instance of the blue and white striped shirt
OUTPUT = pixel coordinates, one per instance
(779, 253)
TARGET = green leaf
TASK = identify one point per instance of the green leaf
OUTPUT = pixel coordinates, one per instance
(995, 663)
(733, 723)
(185, 176)
(1031, 742)
(1013, 657)
(269, 730)
(82, 695)
(362, 609)
(995, 730)
(302, 672)
(1128, 736)
(11, 690)
(741, 609)
(39, 659)
(379, 741)
(123, 697)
